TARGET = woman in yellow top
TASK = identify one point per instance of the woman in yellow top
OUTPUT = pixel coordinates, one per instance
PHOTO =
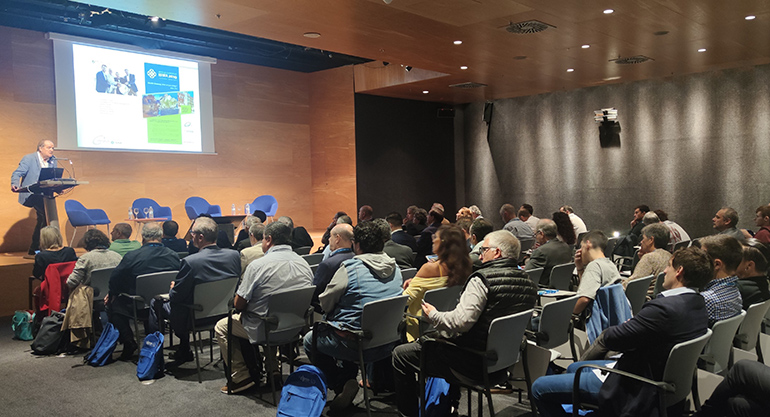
(452, 267)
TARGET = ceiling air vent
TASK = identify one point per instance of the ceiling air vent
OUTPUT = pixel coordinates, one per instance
(638, 59)
(529, 26)
(468, 85)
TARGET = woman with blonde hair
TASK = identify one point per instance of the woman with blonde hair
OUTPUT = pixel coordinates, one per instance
(452, 267)
(52, 251)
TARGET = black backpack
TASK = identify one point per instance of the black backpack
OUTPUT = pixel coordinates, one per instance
(49, 339)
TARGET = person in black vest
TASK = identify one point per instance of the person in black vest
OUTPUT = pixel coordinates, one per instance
(497, 289)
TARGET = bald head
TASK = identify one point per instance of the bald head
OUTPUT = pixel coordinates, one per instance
(341, 237)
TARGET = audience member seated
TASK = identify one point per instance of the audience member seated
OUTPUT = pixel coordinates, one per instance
(341, 247)
(401, 253)
(475, 212)
(254, 251)
(369, 276)
(653, 257)
(415, 221)
(678, 234)
(550, 251)
(52, 251)
(480, 228)
(97, 256)
(645, 342)
(451, 268)
(513, 224)
(723, 300)
(397, 234)
(594, 269)
(121, 235)
(465, 224)
(725, 222)
(650, 218)
(365, 214)
(425, 242)
(299, 235)
(211, 263)
(439, 208)
(744, 392)
(243, 241)
(527, 215)
(762, 220)
(170, 229)
(752, 273)
(280, 269)
(151, 257)
(328, 232)
(464, 212)
(498, 289)
(577, 223)
(341, 220)
(564, 227)
(636, 223)
(222, 240)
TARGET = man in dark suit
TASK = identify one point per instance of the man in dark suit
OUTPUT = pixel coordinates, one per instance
(151, 257)
(27, 174)
(551, 251)
(211, 263)
(102, 85)
(341, 247)
(170, 229)
(677, 315)
(395, 221)
(402, 254)
(425, 242)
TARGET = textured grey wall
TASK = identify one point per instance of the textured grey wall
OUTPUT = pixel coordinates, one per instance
(689, 145)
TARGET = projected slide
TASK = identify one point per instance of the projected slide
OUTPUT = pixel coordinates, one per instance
(128, 100)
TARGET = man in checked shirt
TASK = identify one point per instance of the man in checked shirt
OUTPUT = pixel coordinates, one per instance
(723, 300)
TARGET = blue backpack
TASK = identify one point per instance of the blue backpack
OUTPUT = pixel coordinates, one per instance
(101, 354)
(150, 357)
(303, 394)
(437, 398)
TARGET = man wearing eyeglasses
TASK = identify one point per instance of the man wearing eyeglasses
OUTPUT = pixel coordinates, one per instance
(550, 252)
(497, 289)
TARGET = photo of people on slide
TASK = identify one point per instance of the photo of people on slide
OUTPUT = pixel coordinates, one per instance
(111, 81)
(165, 104)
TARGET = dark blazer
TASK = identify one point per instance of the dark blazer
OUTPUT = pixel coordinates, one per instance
(101, 82)
(403, 238)
(211, 263)
(402, 254)
(414, 229)
(546, 256)
(300, 237)
(646, 341)
(325, 272)
(152, 257)
(753, 290)
(175, 244)
(425, 245)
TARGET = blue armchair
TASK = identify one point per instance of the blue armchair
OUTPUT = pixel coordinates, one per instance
(78, 216)
(160, 212)
(266, 203)
(195, 206)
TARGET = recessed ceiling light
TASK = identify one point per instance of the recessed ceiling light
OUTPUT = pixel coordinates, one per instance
(464, 67)
(312, 35)
(702, 50)
(570, 69)
(586, 46)
(750, 17)
(608, 11)
(458, 42)
(425, 91)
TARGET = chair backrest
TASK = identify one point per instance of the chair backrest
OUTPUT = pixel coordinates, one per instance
(636, 292)
(445, 298)
(680, 245)
(74, 205)
(680, 367)
(561, 276)
(314, 268)
(380, 320)
(504, 338)
(408, 273)
(313, 258)
(267, 203)
(289, 308)
(212, 298)
(77, 214)
(555, 321)
(143, 203)
(535, 274)
(748, 333)
(526, 244)
(720, 345)
(659, 284)
(579, 239)
(195, 206)
(150, 285)
(100, 281)
(303, 250)
(610, 249)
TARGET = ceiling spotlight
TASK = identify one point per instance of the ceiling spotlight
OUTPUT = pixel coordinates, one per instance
(425, 91)
(458, 42)
(608, 11)
(407, 68)
(570, 69)
(702, 50)
(750, 17)
(586, 46)
(464, 67)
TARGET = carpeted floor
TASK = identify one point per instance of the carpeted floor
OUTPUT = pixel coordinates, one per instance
(35, 386)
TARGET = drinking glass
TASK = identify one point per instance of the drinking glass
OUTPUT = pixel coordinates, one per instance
(136, 212)
(146, 210)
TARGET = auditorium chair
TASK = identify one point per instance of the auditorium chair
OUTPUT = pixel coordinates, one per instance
(78, 216)
(266, 203)
(159, 212)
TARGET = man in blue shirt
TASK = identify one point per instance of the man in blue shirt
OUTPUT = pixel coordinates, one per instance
(723, 299)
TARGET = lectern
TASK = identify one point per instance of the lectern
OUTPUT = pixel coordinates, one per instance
(49, 189)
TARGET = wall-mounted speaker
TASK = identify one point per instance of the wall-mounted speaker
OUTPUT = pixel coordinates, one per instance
(609, 134)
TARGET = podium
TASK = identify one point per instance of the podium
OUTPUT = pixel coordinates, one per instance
(49, 189)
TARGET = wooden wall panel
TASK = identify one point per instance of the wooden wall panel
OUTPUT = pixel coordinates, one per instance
(333, 144)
